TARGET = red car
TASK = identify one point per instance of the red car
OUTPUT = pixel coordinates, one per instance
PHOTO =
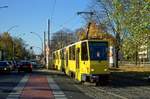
(25, 66)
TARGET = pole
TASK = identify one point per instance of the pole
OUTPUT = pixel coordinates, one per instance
(49, 33)
(13, 44)
(89, 24)
(47, 64)
(45, 48)
(61, 40)
(88, 29)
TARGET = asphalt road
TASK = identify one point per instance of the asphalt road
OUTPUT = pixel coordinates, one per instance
(122, 86)
(8, 82)
(59, 86)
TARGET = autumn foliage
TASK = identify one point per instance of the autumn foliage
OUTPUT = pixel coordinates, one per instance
(95, 32)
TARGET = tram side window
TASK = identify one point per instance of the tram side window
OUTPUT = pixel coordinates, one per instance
(84, 53)
(69, 53)
(62, 54)
(57, 56)
(53, 56)
(72, 52)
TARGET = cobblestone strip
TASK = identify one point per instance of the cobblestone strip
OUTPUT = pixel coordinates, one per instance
(57, 92)
(16, 92)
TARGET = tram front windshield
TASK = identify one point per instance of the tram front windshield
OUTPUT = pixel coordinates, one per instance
(98, 50)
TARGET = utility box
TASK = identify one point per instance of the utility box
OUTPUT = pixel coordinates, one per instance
(112, 56)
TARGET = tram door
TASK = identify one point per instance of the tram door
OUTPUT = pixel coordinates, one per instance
(66, 59)
(62, 60)
(77, 62)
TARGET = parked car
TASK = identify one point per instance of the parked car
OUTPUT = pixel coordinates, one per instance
(25, 66)
(5, 66)
(40, 66)
(36, 65)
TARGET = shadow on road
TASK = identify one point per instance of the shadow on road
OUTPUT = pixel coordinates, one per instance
(129, 79)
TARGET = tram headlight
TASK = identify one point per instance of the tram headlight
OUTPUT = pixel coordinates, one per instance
(105, 69)
(92, 69)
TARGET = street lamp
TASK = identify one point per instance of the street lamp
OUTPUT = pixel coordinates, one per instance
(39, 38)
(1, 7)
(13, 48)
(4, 7)
(14, 26)
(9, 33)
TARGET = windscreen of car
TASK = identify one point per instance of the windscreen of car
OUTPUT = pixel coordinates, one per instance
(98, 50)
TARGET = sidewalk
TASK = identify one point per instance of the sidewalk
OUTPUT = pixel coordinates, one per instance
(37, 87)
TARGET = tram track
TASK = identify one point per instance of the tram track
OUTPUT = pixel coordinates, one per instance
(110, 93)
(120, 87)
(130, 88)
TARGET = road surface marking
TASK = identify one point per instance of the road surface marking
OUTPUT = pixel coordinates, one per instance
(58, 94)
(16, 92)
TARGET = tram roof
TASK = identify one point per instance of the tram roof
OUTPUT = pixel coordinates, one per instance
(79, 42)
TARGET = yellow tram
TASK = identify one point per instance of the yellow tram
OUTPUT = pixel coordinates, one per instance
(85, 60)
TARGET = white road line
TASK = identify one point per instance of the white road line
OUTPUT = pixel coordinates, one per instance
(58, 94)
(110, 93)
(16, 92)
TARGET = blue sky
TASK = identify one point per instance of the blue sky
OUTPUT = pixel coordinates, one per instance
(31, 16)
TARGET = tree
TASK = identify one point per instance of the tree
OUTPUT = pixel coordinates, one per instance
(61, 39)
(96, 31)
(118, 15)
(137, 24)
(20, 49)
(6, 44)
(80, 34)
(109, 14)
(13, 47)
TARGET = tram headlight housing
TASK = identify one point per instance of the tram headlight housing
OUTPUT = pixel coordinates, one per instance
(92, 70)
